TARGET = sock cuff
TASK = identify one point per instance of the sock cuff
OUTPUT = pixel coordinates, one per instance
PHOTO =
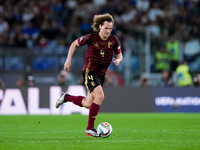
(77, 100)
(80, 98)
(95, 105)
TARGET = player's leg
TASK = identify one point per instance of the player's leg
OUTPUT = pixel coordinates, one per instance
(77, 100)
(94, 110)
(95, 106)
(86, 102)
(96, 96)
(65, 97)
(92, 101)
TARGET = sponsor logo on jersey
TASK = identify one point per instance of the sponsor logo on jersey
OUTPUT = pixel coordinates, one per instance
(119, 47)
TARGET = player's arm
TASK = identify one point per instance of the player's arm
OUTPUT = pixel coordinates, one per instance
(118, 59)
(67, 65)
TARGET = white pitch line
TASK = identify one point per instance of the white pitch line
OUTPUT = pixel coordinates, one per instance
(37, 132)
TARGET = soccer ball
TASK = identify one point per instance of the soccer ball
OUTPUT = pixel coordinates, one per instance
(104, 129)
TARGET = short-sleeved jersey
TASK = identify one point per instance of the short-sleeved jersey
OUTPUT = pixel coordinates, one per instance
(99, 53)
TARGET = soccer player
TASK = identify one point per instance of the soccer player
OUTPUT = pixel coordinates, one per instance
(101, 46)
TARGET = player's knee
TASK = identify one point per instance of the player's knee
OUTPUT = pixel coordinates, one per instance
(86, 104)
(100, 98)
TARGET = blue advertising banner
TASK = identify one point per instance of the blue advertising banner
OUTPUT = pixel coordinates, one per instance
(186, 99)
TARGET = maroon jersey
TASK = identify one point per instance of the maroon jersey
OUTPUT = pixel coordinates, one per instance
(99, 53)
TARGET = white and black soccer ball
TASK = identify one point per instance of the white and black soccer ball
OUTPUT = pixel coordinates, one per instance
(104, 129)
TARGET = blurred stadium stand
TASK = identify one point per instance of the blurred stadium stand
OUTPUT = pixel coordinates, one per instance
(35, 36)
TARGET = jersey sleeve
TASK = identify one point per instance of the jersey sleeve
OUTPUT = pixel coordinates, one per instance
(84, 39)
(117, 48)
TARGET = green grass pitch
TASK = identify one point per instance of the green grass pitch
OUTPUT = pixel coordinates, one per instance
(131, 131)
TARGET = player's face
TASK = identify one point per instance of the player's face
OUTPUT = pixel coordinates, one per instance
(105, 29)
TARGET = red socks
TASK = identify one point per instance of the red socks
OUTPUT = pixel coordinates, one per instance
(77, 100)
(93, 112)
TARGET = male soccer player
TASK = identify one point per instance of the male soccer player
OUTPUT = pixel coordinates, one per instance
(101, 45)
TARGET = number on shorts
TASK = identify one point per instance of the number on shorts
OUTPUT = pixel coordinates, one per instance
(90, 77)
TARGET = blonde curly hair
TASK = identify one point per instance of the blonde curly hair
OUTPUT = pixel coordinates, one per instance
(99, 20)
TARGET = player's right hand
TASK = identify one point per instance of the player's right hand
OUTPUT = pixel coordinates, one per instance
(67, 66)
(116, 61)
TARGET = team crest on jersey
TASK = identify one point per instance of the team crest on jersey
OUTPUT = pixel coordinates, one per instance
(97, 45)
(93, 84)
(109, 44)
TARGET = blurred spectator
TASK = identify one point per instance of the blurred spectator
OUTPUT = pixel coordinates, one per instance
(129, 14)
(45, 28)
(155, 11)
(64, 79)
(27, 15)
(80, 81)
(61, 41)
(85, 26)
(99, 2)
(41, 42)
(43, 7)
(196, 80)
(173, 49)
(53, 31)
(192, 48)
(53, 16)
(166, 80)
(20, 41)
(73, 35)
(33, 6)
(144, 82)
(2, 84)
(61, 38)
(192, 53)
(26, 81)
(170, 9)
(113, 79)
(4, 27)
(30, 80)
(184, 77)
(30, 33)
(84, 10)
(142, 5)
(57, 6)
(20, 82)
(17, 38)
(154, 29)
(71, 4)
(162, 59)
(16, 14)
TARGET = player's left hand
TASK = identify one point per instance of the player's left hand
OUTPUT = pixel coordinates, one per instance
(116, 61)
